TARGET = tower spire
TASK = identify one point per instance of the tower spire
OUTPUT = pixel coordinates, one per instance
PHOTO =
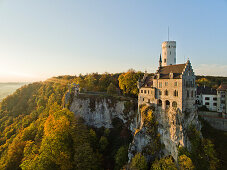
(160, 61)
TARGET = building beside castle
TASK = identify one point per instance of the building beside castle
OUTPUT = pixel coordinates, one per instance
(206, 96)
(173, 85)
(222, 98)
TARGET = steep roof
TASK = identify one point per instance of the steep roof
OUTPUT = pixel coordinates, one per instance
(206, 90)
(175, 69)
(222, 87)
(148, 82)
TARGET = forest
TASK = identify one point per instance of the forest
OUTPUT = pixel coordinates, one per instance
(38, 132)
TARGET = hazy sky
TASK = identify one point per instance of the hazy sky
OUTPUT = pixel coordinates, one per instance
(44, 38)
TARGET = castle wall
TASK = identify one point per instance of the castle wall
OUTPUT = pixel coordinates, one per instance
(162, 85)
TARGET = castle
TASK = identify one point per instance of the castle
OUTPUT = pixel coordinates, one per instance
(172, 86)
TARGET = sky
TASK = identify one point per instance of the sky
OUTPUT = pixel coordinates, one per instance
(44, 38)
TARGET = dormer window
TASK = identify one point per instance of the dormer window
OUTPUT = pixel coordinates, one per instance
(170, 75)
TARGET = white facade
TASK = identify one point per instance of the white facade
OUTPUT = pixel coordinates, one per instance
(168, 53)
(210, 101)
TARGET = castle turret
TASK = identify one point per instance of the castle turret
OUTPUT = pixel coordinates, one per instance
(168, 53)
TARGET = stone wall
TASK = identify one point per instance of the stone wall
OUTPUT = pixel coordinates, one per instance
(216, 120)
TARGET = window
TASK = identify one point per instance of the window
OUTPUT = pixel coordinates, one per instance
(222, 95)
(149, 101)
(175, 83)
(192, 93)
(166, 83)
(214, 104)
(207, 98)
(166, 92)
(143, 99)
(160, 92)
(215, 98)
(170, 52)
(145, 91)
(175, 60)
(160, 84)
(141, 91)
(187, 94)
(222, 101)
(148, 91)
(159, 102)
(207, 103)
(175, 93)
(167, 103)
(174, 104)
(164, 60)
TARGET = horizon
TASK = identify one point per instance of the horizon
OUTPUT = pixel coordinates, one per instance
(42, 39)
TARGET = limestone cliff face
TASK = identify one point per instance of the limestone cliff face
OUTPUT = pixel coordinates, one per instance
(173, 126)
(99, 110)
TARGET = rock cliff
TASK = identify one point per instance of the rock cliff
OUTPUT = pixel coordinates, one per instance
(99, 110)
(172, 127)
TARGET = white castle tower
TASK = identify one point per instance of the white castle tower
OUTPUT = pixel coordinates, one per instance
(168, 53)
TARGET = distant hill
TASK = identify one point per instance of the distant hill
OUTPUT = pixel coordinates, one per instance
(8, 88)
(210, 81)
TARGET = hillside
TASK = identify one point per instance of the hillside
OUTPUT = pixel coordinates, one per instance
(38, 132)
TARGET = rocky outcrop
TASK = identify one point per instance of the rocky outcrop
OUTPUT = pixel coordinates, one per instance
(172, 127)
(99, 110)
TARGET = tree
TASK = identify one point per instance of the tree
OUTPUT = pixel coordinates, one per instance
(185, 163)
(84, 156)
(121, 156)
(164, 164)
(139, 162)
(128, 82)
(112, 89)
(103, 142)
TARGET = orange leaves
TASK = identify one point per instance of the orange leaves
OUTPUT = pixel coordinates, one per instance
(56, 126)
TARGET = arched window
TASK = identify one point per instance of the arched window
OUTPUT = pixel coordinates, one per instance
(174, 104)
(159, 102)
(166, 92)
(167, 103)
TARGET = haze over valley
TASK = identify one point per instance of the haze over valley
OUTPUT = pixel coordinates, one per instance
(8, 88)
